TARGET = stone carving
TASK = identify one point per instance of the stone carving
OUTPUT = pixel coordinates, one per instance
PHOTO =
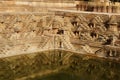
(108, 7)
(27, 33)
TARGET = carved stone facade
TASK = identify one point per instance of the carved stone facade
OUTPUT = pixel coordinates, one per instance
(35, 31)
(106, 7)
(80, 33)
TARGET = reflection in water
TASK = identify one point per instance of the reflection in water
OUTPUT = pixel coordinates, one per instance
(83, 67)
(58, 65)
(57, 76)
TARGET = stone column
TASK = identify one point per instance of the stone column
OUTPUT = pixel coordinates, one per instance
(109, 9)
(99, 8)
(95, 8)
(80, 7)
(85, 7)
(117, 9)
(104, 9)
(114, 9)
(77, 7)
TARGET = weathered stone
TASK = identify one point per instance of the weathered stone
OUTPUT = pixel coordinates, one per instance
(26, 32)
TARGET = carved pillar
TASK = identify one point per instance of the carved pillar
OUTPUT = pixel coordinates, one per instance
(117, 9)
(99, 8)
(114, 9)
(77, 7)
(85, 7)
(95, 9)
(80, 7)
(109, 9)
(104, 9)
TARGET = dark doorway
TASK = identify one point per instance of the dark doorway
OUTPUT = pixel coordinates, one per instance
(60, 32)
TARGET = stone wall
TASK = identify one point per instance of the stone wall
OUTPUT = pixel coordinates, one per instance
(33, 6)
(98, 7)
(22, 33)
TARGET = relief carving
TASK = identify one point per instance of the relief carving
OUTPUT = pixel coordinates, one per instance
(52, 32)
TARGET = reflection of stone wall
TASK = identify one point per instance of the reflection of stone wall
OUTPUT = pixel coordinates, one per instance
(22, 67)
(27, 67)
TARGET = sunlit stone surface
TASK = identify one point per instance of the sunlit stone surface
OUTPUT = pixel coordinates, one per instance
(49, 39)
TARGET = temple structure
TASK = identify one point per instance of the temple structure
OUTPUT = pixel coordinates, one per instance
(34, 25)
(98, 6)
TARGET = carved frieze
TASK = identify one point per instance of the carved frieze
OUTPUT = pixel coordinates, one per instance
(37, 32)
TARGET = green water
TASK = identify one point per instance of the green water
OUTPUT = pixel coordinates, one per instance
(104, 73)
(82, 67)
(57, 76)
(75, 67)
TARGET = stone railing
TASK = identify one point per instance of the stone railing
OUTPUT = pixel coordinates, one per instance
(98, 7)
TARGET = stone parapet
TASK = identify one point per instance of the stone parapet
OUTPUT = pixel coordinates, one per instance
(33, 5)
(98, 7)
